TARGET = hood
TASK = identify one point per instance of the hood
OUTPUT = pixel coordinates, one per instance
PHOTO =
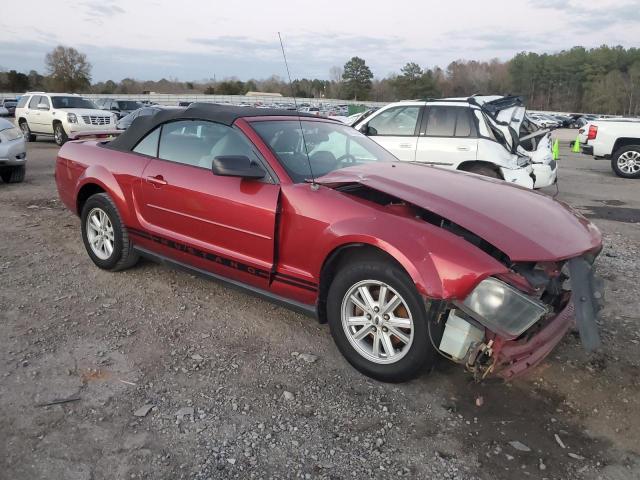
(525, 225)
(85, 111)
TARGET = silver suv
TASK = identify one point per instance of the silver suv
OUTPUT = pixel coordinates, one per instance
(58, 115)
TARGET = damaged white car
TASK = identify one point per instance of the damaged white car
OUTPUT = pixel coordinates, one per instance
(486, 135)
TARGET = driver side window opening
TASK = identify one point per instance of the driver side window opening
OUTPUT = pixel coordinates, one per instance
(195, 143)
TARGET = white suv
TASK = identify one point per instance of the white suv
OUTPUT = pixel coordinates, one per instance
(59, 115)
(483, 135)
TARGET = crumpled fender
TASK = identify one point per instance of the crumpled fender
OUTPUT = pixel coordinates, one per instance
(441, 264)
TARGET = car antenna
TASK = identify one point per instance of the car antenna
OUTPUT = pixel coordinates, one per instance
(314, 185)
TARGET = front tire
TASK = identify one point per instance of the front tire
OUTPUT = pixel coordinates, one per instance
(13, 174)
(104, 235)
(379, 321)
(625, 162)
(26, 132)
(59, 135)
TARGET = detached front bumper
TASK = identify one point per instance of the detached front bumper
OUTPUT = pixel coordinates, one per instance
(546, 174)
(522, 176)
(516, 357)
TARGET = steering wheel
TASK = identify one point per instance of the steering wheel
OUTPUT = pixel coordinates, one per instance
(346, 158)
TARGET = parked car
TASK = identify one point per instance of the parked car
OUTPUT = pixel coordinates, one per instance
(10, 105)
(403, 261)
(580, 122)
(565, 120)
(617, 140)
(13, 153)
(59, 115)
(126, 121)
(312, 110)
(120, 107)
(476, 134)
(543, 120)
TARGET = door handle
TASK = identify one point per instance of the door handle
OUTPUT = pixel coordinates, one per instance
(157, 181)
(405, 145)
(463, 149)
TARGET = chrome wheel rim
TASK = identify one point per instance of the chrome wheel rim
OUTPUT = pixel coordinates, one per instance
(58, 134)
(377, 322)
(100, 233)
(629, 162)
(25, 129)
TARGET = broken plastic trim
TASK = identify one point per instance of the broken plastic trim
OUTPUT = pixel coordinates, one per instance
(588, 298)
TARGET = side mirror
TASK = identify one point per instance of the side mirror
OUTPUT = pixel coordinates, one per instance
(367, 130)
(42, 106)
(237, 166)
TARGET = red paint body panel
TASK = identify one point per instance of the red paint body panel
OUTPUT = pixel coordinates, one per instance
(526, 225)
(317, 221)
(226, 215)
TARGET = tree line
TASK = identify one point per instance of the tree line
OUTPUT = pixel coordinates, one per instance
(599, 80)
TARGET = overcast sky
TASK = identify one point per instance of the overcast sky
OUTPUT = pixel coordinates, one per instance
(197, 39)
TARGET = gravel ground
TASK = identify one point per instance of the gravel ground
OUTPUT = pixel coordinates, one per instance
(167, 376)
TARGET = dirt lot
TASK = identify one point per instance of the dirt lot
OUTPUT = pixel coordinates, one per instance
(213, 365)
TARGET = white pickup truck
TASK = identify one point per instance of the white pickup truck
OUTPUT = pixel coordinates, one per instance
(617, 140)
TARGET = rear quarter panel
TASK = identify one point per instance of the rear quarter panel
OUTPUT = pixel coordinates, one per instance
(86, 162)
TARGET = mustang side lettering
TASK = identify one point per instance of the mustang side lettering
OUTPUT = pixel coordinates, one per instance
(404, 261)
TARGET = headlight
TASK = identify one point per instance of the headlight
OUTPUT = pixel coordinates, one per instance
(9, 134)
(71, 118)
(502, 308)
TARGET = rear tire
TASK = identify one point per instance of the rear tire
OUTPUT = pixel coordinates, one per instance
(625, 162)
(104, 235)
(347, 321)
(13, 174)
(59, 135)
(483, 170)
(26, 132)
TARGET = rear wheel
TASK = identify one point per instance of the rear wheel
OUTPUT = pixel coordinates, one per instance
(59, 134)
(379, 321)
(26, 132)
(481, 169)
(626, 162)
(13, 174)
(104, 235)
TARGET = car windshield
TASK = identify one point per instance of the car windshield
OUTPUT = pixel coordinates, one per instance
(72, 102)
(331, 146)
(128, 105)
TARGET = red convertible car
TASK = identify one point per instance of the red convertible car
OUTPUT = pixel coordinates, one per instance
(404, 261)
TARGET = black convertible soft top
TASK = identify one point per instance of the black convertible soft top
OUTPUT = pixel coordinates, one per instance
(225, 114)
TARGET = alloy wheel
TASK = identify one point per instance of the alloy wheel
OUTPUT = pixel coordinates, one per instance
(377, 321)
(58, 134)
(100, 233)
(629, 162)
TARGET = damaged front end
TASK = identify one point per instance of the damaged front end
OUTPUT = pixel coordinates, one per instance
(508, 324)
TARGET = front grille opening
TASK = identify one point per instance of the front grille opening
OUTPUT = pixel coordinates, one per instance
(96, 120)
